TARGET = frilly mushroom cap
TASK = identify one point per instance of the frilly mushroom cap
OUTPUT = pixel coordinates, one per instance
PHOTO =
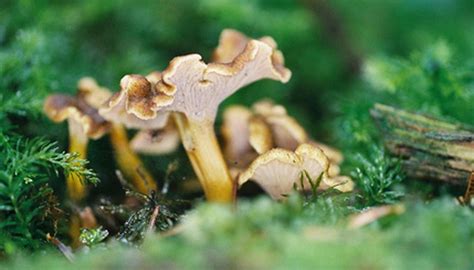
(287, 132)
(260, 135)
(232, 43)
(156, 142)
(202, 87)
(154, 77)
(334, 155)
(245, 136)
(278, 170)
(83, 117)
(340, 182)
(132, 106)
(266, 108)
(93, 94)
(192, 87)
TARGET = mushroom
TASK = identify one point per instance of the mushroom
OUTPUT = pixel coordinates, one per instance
(127, 160)
(279, 171)
(192, 91)
(85, 122)
(156, 142)
(245, 135)
(285, 133)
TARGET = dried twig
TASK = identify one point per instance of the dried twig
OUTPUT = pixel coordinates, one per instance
(466, 199)
(154, 215)
(65, 250)
(368, 216)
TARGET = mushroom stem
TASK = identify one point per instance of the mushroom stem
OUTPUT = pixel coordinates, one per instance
(129, 162)
(200, 142)
(76, 189)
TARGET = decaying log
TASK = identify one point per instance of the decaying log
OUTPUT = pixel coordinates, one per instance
(429, 148)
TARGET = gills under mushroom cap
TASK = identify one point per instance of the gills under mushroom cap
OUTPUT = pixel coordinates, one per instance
(287, 132)
(278, 170)
(156, 142)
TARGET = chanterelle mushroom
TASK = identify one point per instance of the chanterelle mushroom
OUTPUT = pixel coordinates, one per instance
(278, 171)
(127, 160)
(84, 122)
(156, 142)
(285, 132)
(193, 90)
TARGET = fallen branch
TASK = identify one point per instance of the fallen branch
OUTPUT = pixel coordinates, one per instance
(429, 148)
(65, 250)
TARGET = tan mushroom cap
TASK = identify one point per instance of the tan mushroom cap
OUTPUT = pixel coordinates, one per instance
(156, 142)
(334, 155)
(339, 182)
(232, 43)
(277, 171)
(132, 106)
(235, 133)
(204, 86)
(245, 136)
(192, 87)
(82, 117)
(260, 135)
(153, 77)
(287, 132)
(93, 94)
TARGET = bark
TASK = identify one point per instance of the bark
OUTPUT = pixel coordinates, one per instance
(429, 148)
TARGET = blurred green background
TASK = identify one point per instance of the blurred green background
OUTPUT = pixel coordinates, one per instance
(325, 43)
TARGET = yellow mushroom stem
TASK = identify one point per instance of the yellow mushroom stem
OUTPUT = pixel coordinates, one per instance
(76, 188)
(129, 162)
(200, 142)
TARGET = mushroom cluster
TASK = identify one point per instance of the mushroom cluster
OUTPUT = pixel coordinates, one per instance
(259, 141)
(180, 103)
(84, 122)
(190, 91)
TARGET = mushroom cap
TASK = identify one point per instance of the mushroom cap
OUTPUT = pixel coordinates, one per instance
(245, 136)
(334, 155)
(232, 43)
(194, 88)
(260, 135)
(132, 106)
(267, 107)
(287, 132)
(81, 115)
(340, 182)
(278, 170)
(93, 94)
(156, 142)
(202, 87)
(235, 133)
(153, 77)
